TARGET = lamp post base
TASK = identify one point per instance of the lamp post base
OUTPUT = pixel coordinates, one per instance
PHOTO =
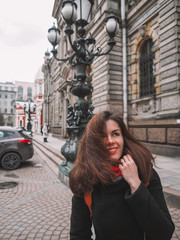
(64, 170)
(65, 167)
(69, 150)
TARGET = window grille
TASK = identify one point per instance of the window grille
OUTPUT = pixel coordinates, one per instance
(147, 78)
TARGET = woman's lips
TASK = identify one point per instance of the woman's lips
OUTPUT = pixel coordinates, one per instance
(112, 150)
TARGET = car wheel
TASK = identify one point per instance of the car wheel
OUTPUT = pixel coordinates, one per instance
(11, 161)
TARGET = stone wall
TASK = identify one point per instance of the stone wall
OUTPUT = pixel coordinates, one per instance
(169, 56)
(107, 70)
(161, 136)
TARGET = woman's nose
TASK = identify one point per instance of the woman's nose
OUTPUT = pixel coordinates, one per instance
(110, 139)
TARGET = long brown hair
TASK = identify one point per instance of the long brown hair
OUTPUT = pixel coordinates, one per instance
(92, 164)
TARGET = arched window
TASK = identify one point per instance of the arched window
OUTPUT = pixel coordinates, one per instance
(147, 78)
(20, 92)
(29, 92)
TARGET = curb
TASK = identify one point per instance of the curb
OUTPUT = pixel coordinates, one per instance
(172, 197)
(54, 151)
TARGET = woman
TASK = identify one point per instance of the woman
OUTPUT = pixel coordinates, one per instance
(127, 197)
(45, 132)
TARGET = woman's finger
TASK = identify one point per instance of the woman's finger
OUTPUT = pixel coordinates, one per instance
(126, 158)
(129, 157)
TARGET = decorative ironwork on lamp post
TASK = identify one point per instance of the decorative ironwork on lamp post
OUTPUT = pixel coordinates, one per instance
(77, 12)
(29, 112)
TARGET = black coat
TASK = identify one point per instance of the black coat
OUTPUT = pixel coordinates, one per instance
(118, 215)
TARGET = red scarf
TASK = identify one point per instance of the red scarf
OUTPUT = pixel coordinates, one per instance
(117, 171)
(118, 174)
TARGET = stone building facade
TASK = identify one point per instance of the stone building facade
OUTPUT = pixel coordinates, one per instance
(7, 102)
(154, 93)
(103, 73)
(152, 70)
(57, 82)
(38, 100)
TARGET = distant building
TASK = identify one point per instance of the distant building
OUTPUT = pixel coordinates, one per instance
(38, 100)
(7, 101)
(24, 90)
(13, 98)
(22, 117)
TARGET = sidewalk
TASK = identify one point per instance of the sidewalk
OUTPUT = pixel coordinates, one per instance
(53, 142)
(167, 168)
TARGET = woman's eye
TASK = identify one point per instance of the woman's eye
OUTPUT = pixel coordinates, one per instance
(115, 134)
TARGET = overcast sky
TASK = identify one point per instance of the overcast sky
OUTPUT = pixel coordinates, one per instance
(23, 37)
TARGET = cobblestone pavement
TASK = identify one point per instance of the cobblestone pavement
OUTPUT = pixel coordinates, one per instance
(175, 214)
(38, 208)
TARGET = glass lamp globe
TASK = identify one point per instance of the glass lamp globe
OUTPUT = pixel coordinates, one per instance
(69, 11)
(83, 11)
(111, 25)
(54, 35)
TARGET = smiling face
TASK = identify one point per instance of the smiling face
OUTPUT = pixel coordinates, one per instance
(113, 140)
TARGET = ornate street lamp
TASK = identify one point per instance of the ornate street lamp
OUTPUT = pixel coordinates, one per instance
(77, 12)
(29, 112)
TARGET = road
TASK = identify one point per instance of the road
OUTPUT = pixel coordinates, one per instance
(38, 208)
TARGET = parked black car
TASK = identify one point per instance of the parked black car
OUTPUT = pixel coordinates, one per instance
(16, 146)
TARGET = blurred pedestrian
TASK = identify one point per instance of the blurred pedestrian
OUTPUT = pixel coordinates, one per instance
(115, 186)
(41, 130)
(45, 132)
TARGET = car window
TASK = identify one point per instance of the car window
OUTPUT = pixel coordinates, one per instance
(8, 133)
(4, 134)
(25, 134)
(1, 134)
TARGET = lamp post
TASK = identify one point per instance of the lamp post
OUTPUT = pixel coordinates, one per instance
(29, 112)
(46, 70)
(77, 12)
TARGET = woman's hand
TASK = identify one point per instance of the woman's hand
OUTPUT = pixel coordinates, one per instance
(129, 171)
